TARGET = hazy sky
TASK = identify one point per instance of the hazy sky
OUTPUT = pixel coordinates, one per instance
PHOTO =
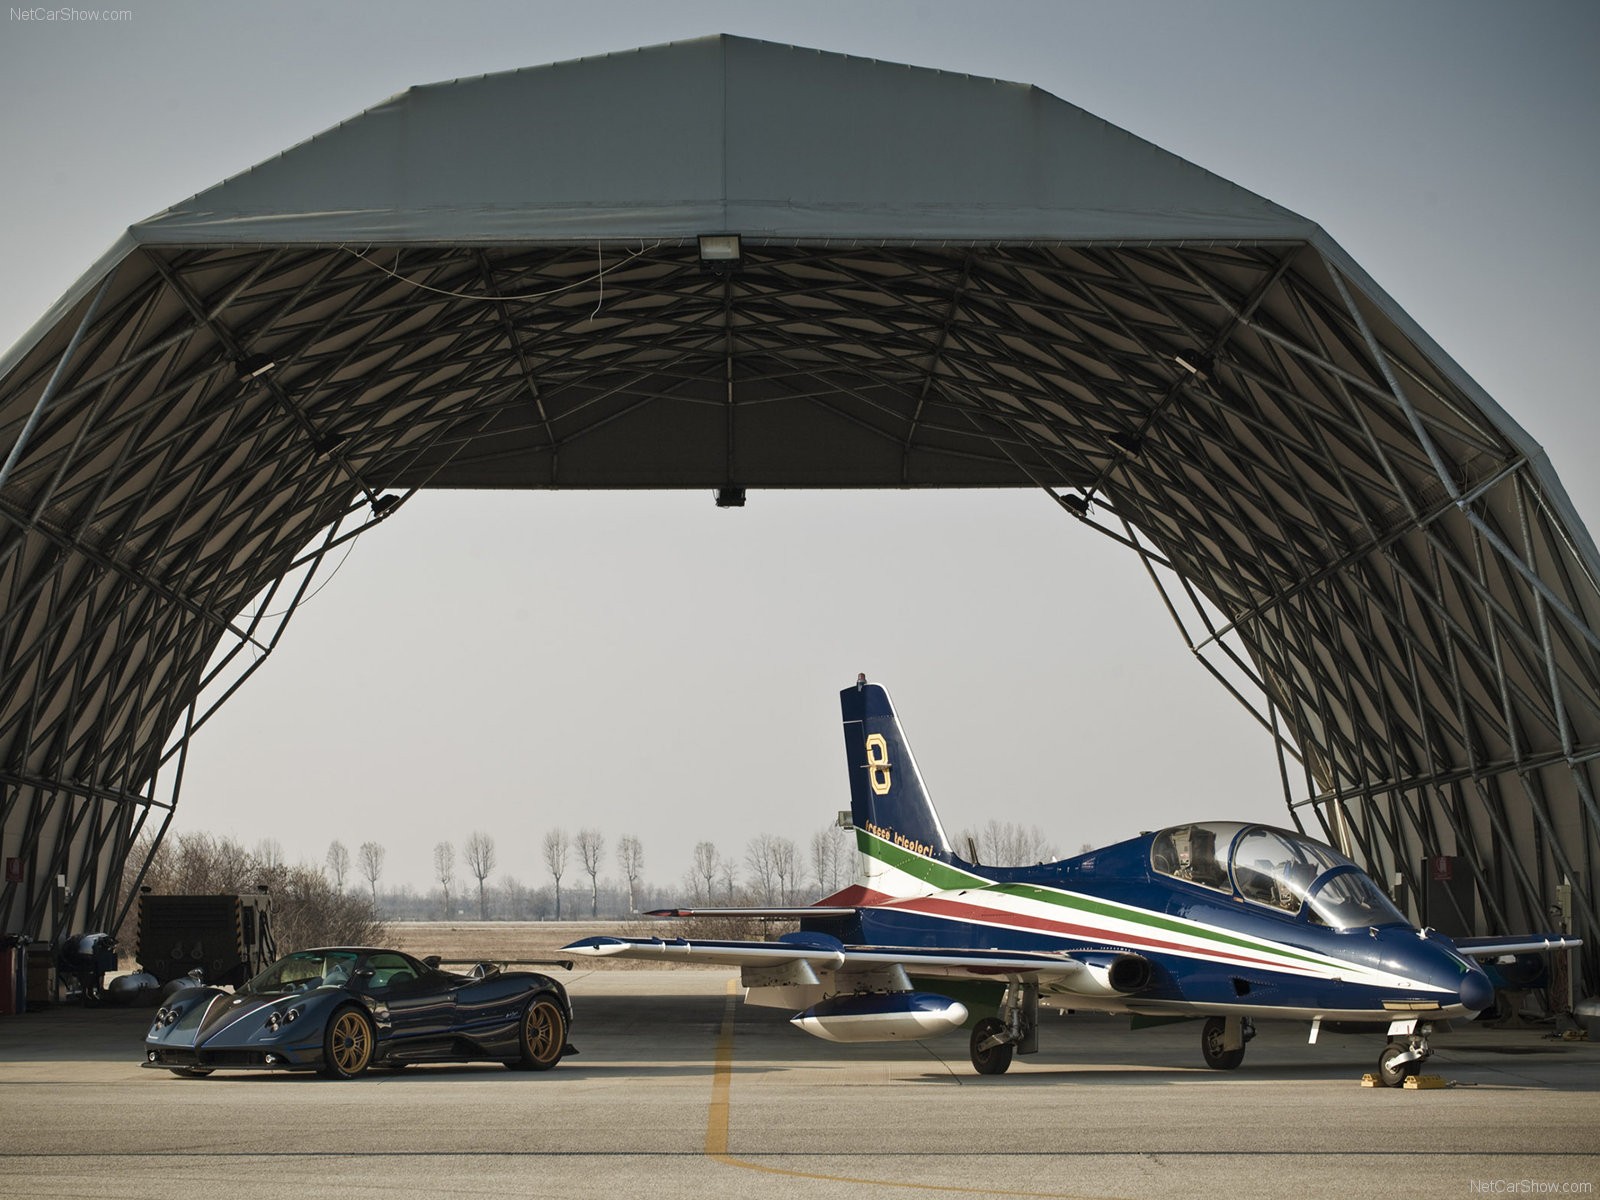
(649, 664)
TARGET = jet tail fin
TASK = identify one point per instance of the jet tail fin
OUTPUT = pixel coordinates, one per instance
(897, 830)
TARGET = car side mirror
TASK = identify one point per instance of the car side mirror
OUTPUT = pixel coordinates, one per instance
(433, 960)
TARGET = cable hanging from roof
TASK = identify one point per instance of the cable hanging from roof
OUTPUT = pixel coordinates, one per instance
(526, 297)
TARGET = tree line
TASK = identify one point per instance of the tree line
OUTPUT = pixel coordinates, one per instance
(771, 870)
(341, 901)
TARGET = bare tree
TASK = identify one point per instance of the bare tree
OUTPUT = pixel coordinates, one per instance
(306, 911)
(630, 860)
(516, 897)
(269, 853)
(479, 853)
(444, 870)
(828, 855)
(591, 845)
(556, 847)
(372, 855)
(785, 868)
(705, 867)
(338, 865)
(1008, 844)
(728, 872)
(759, 857)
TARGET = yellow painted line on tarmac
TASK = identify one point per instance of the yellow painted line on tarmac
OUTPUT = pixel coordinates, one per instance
(717, 1128)
(721, 1079)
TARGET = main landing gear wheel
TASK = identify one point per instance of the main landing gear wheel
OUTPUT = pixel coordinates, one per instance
(1212, 1039)
(992, 1059)
(544, 1035)
(1394, 1074)
(347, 1046)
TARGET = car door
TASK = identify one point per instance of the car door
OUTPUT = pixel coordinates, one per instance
(420, 1000)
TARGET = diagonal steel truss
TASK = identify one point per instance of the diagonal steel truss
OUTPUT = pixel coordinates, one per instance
(1359, 551)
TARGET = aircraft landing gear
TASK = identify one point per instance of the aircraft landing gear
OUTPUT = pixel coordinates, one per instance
(1222, 1041)
(991, 1049)
(1016, 1031)
(1404, 1055)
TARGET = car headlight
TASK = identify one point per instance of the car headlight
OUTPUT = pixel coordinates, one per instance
(293, 1014)
(273, 1022)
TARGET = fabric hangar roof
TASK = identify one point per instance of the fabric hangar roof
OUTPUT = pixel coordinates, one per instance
(941, 281)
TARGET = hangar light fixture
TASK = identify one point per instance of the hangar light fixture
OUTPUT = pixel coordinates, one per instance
(1198, 364)
(720, 249)
(252, 366)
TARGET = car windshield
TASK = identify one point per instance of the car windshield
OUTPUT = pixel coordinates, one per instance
(303, 971)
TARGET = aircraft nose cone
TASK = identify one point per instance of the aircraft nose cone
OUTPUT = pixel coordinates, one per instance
(1477, 993)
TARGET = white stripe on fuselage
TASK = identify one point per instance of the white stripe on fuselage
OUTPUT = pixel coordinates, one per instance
(1139, 934)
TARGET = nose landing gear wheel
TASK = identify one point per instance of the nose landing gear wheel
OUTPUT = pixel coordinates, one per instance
(990, 1060)
(1394, 1074)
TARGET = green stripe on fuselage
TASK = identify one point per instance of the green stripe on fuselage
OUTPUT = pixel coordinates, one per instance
(950, 879)
(942, 876)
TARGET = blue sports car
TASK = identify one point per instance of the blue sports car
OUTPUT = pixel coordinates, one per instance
(341, 1010)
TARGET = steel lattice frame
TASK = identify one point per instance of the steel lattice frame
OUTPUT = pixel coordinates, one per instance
(1346, 538)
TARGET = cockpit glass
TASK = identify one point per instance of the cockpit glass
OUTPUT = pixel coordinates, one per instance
(1273, 867)
(1191, 852)
(1350, 900)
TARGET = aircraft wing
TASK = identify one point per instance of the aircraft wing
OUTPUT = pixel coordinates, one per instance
(991, 964)
(793, 913)
(1492, 947)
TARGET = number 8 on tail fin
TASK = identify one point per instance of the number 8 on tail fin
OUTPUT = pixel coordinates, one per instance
(897, 829)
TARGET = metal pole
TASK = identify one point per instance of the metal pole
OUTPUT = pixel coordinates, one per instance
(55, 379)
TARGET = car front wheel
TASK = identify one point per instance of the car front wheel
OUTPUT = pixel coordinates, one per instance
(348, 1044)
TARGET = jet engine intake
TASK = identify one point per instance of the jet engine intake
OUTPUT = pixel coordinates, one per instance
(1112, 974)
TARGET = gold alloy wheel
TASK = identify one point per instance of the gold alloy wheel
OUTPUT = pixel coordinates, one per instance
(544, 1033)
(349, 1043)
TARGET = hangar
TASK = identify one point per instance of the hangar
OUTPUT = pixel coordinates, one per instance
(727, 264)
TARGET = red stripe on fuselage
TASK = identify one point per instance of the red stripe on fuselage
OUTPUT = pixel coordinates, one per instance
(967, 911)
(854, 896)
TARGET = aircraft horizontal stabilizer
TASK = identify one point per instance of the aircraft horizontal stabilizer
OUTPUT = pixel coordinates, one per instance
(1492, 947)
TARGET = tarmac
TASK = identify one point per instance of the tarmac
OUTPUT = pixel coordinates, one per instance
(681, 1090)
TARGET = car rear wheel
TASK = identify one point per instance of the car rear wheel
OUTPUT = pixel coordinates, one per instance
(347, 1046)
(544, 1034)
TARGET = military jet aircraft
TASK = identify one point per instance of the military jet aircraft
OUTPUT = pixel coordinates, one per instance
(1226, 922)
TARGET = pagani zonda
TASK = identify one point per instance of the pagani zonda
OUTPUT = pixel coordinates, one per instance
(342, 1010)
